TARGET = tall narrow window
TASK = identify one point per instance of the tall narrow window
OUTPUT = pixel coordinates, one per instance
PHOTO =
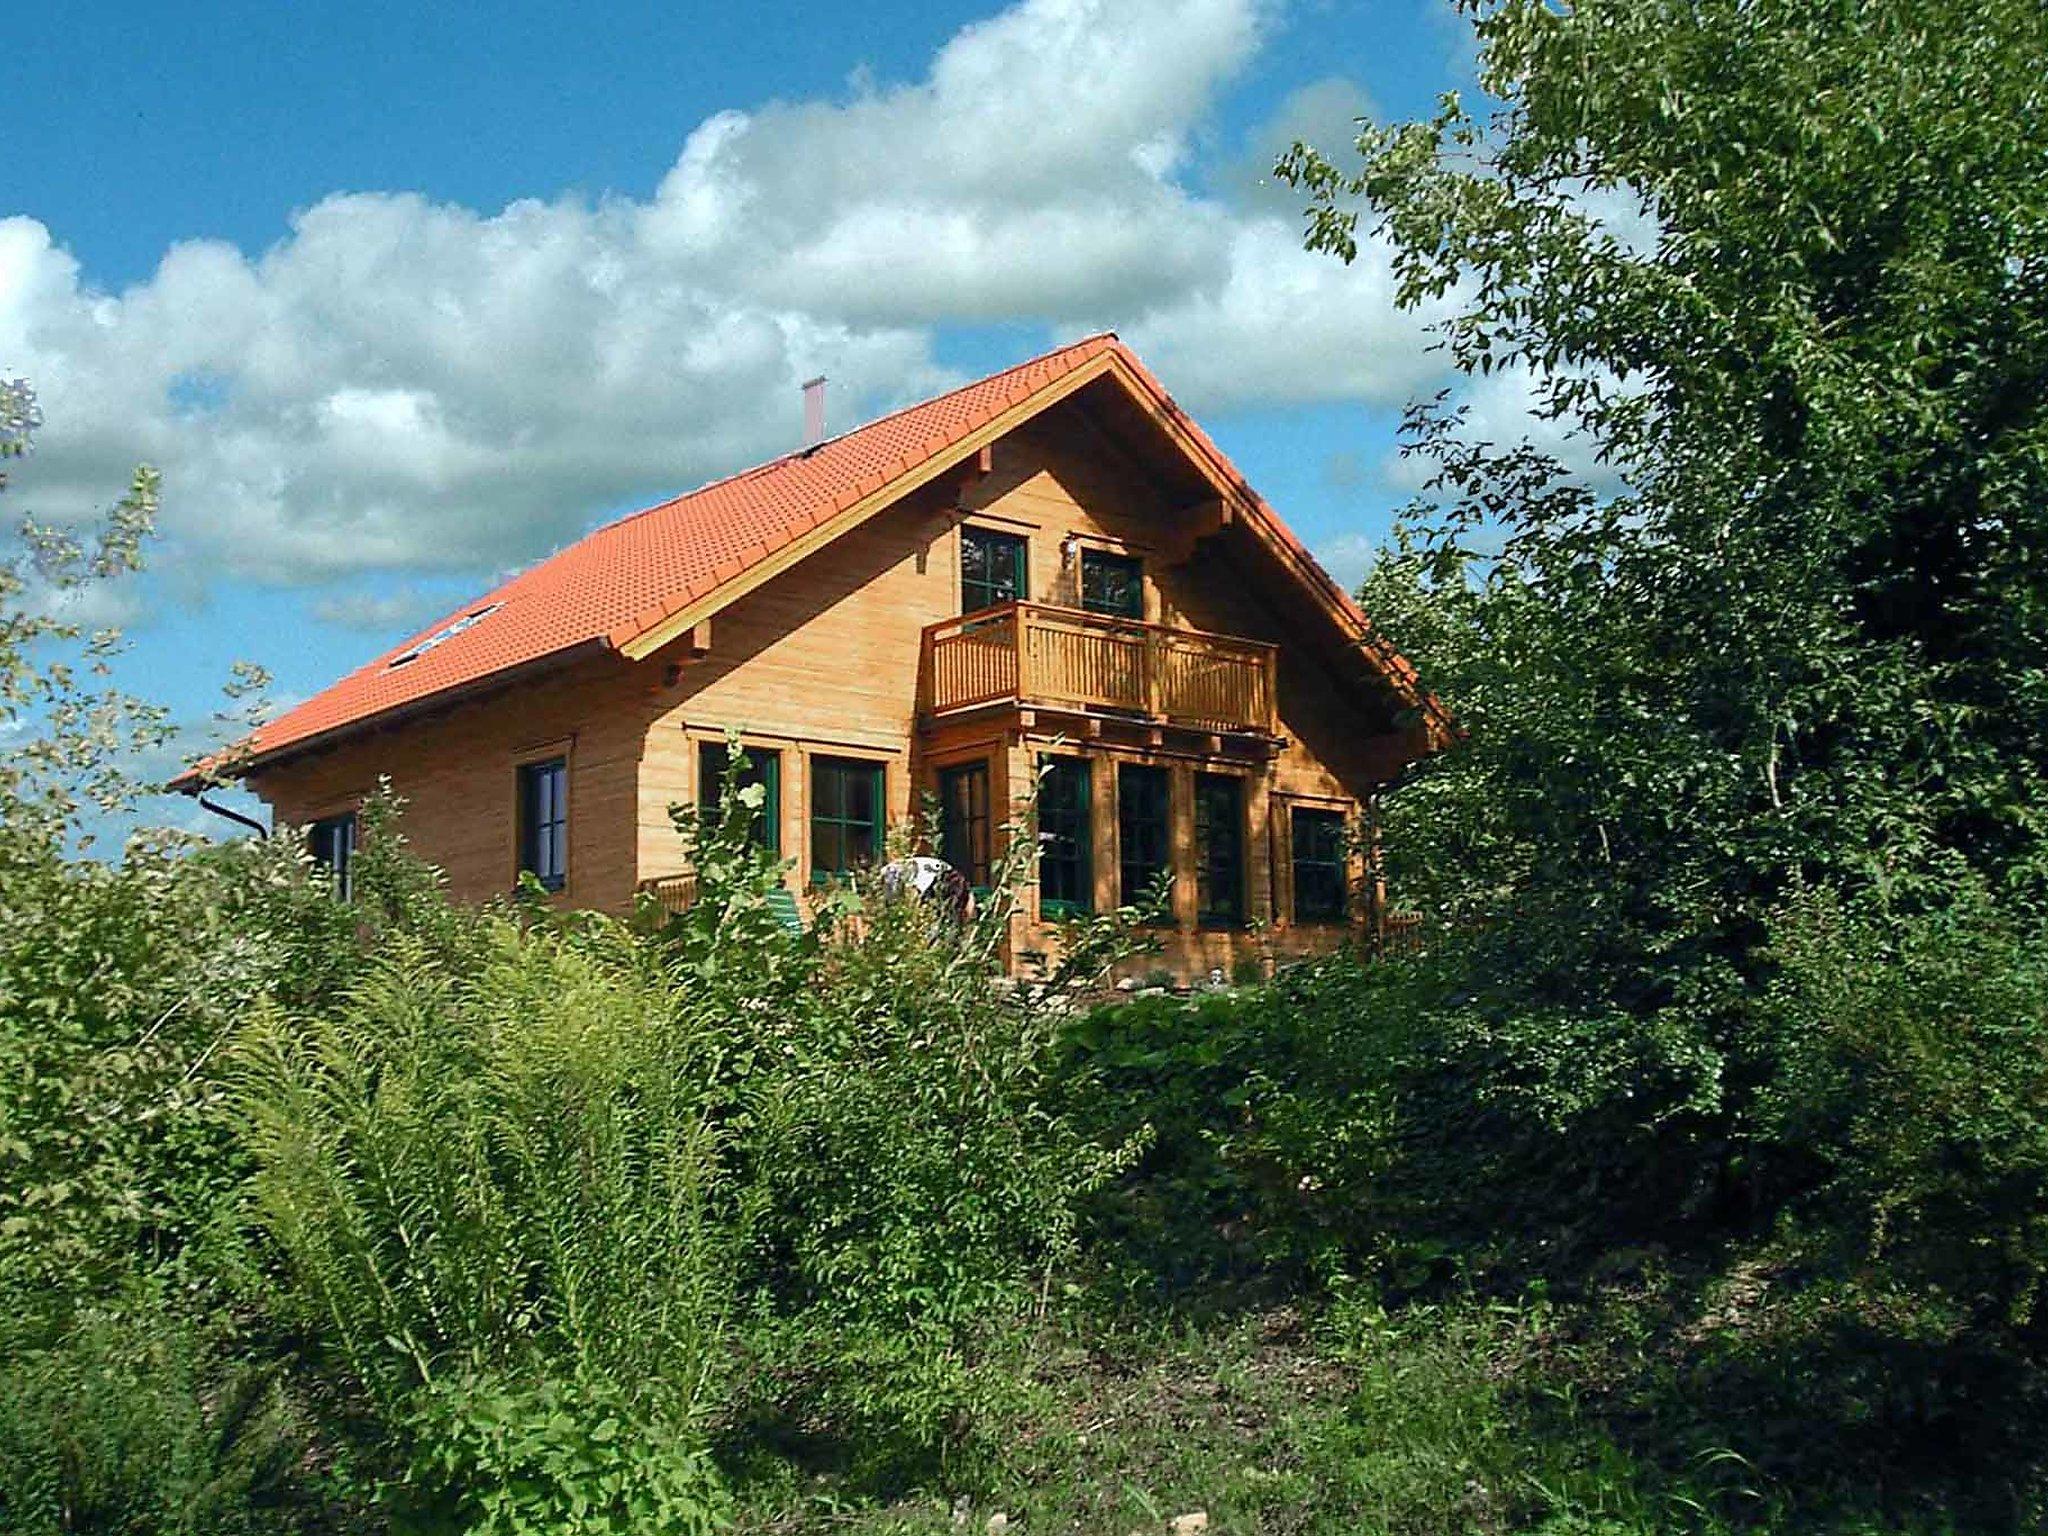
(1219, 848)
(1066, 874)
(756, 767)
(544, 821)
(332, 842)
(847, 821)
(991, 569)
(1143, 829)
(1112, 584)
(1319, 883)
(964, 820)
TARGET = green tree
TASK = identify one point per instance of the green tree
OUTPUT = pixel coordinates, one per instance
(1782, 267)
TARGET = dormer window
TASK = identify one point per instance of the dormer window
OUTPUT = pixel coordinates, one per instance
(444, 634)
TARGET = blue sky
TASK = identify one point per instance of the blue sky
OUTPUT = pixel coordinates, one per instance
(401, 297)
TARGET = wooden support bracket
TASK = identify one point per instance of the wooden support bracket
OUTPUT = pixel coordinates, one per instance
(1196, 522)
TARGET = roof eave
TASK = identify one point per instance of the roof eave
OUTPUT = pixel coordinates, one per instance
(226, 767)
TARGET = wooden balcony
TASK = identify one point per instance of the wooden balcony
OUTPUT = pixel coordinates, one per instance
(1030, 655)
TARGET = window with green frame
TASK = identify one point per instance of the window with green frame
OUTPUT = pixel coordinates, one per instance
(847, 821)
(964, 820)
(1144, 829)
(1066, 872)
(991, 569)
(756, 767)
(1112, 584)
(1219, 849)
(1319, 874)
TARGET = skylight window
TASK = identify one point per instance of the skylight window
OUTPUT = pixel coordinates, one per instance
(444, 634)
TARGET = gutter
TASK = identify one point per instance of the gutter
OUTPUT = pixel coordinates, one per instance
(262, 832)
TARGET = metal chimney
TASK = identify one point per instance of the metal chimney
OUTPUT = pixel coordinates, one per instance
(814, 411)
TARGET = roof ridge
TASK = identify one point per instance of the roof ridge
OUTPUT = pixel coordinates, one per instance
(839, 437)
(947, 394)
(616, 586)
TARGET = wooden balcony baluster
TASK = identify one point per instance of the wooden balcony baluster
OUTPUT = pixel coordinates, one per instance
(1033, 654)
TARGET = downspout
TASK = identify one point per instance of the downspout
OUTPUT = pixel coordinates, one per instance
(261, 831)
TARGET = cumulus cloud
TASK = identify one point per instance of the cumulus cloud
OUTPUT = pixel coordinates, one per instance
(392, 614)
(401, 384)
(1505, 408)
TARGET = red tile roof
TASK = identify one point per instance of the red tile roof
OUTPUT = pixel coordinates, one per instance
(617, 583)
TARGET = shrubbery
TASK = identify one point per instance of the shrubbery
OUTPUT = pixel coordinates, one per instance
(1694, 1174)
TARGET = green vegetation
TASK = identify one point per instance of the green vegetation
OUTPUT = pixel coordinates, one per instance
(1690, 1178)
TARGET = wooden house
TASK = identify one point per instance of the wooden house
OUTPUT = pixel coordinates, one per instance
(1050, 578)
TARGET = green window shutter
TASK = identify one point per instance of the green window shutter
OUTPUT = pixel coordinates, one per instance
(782, 903)
(1066, 874)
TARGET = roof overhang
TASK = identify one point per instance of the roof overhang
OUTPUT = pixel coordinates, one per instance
(1234, 500)
(248, 757)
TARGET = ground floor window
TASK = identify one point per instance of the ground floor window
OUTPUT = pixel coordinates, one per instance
(332, 842)
(756, 767)
(964, 821)
(1318, 849)
(1066, 875)
(1219, 848)
(1144, 827)
(847, 816)
(544, 821)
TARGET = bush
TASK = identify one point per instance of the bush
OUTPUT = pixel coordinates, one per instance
(497, 1166)
(133, 1415)
(1907, 1103)
(1273, 1120)
(722, 1173)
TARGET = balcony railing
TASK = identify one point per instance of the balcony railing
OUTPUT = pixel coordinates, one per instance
(1032, 654)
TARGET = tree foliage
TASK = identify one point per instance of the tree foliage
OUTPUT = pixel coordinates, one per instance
(1781, 270)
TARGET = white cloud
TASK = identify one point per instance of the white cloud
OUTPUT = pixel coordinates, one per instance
(389, 614)
(401, 384)
(1284, 325)
(1504, 409)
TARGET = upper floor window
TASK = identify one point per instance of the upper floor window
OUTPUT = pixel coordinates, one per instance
(1112, 584)
(847, 815)
(756, 767)
(1319, 878)
(1066, 871)
(1219, 848)
(991, 569)
(544, 821)
(332, 842)
(1143, 828)
(964, 820)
